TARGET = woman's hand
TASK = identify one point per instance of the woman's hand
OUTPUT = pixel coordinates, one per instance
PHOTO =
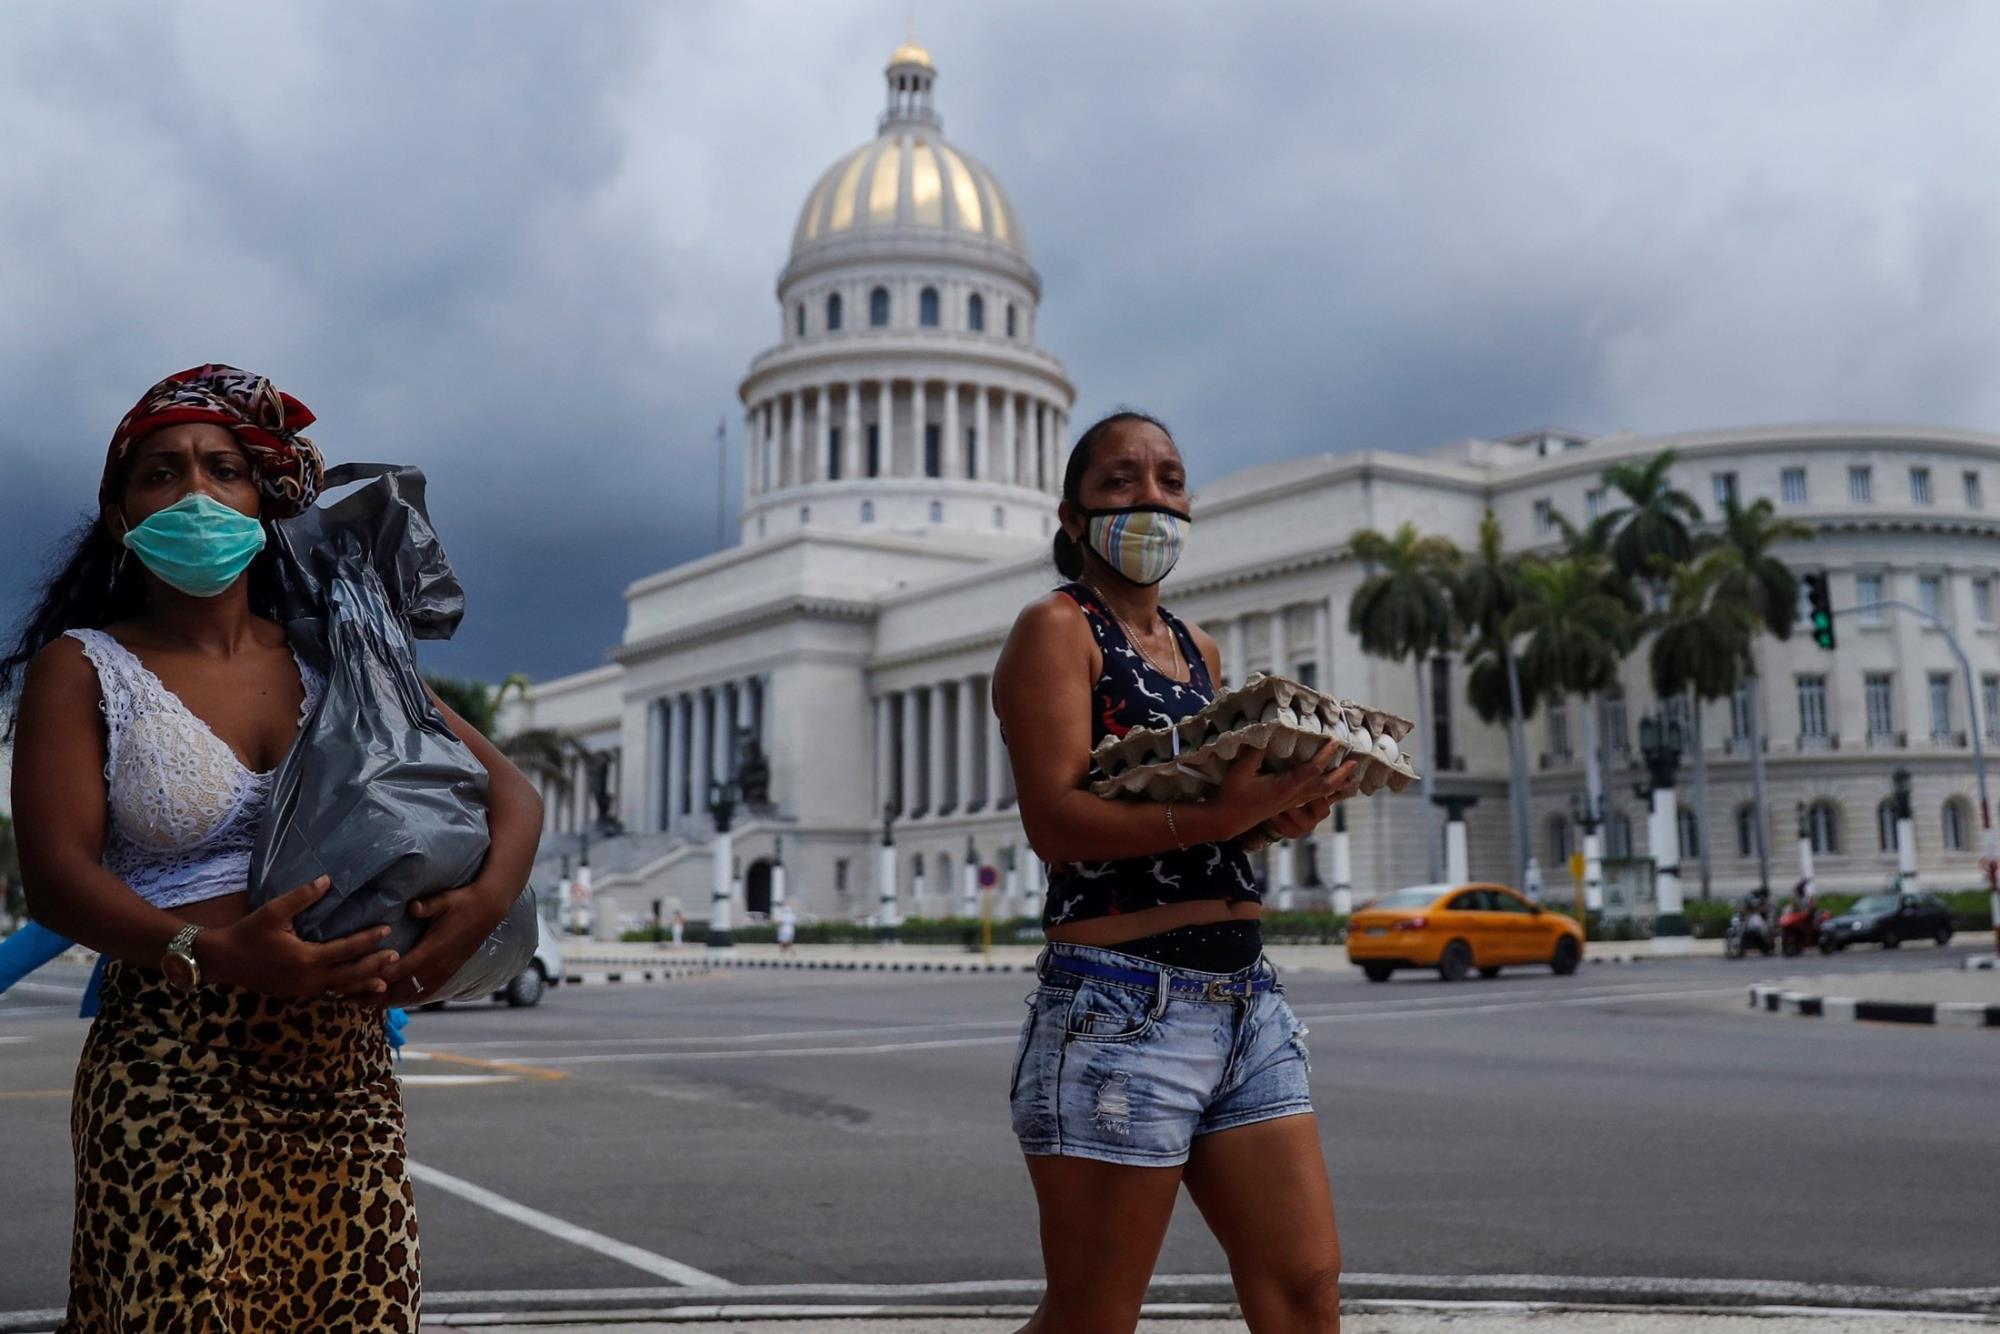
(460, 921)
(263, 953)
(1288, 804)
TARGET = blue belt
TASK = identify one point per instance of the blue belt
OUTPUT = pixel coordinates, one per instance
(1219, 989)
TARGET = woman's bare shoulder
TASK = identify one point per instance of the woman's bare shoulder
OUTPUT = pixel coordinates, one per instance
(59, 675)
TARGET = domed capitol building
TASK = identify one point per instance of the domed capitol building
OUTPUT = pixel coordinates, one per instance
(905, 441)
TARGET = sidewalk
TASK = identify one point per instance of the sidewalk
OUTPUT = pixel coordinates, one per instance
(1960, 997)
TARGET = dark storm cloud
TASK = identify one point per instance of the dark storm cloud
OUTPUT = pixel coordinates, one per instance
(532, 247)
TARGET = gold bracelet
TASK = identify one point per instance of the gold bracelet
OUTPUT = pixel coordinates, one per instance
(1174, 829)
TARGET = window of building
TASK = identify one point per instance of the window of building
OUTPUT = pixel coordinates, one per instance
(760, 525)
(937, 511)
(1010, 319)
(1989, 706)
(1812, 707)
(1861, 484)
(1739, 713)
(1792, 486)
(1617, 835)
(1957, 821)
(1920, 486)
(1306, 674)
(840, 875)
(1593, 503)
(927, 308)
(1940, 693)
(878, 308)
(799, 319)
(867, 511)
(1559, 730)
(1982, 599)
(1868, 589)
(1885, 825)
(933, 451)
(833, 453)
(1611, 721)
(1561, 840)
(1725, 489)
(874, 451)
(1930, 594)
(1974, 499)
(1823, 827)
(1746, 830)
(833, 313)
(999, 516)
(1545, 518)
(1690, 831)
(975, 313)
(1880, 689)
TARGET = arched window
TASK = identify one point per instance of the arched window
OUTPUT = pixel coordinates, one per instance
(975, 313)
(927, 308)
(1690, 834)
(1885, 825)
(1561, 843)
(1617, 835)
(799, 319)
(867, 511)
(1010, 319)
(878, 308)
(1823, 826)
(1746, 830)
(937, 511)
(833, 313)
(1957, 820)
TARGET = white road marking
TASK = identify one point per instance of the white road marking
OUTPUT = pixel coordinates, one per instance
(74, 993)
(1435, 1011)
(657, 1265)
(516, 1044)
(421, 1080)
(872, 1049)
(17, 1039)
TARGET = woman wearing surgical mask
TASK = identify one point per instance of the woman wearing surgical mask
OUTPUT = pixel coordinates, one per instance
(1158, 1050)
(237, 1128)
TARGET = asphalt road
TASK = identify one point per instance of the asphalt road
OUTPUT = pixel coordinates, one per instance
(809, 1128)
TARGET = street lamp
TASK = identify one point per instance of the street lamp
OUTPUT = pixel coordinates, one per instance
(1660, 745)
(723, 796)
(885, 868)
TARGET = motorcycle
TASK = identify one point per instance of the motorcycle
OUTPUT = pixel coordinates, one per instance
(1749, 928)
(1800, 927)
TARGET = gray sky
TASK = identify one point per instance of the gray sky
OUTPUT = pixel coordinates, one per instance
(531, 247)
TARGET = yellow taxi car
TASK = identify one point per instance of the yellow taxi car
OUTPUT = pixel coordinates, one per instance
(1457, 928)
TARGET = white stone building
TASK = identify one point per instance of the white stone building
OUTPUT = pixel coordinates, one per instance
(905, 445)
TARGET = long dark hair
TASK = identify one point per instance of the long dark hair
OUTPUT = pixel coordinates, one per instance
(93, 586)
(1068, 553)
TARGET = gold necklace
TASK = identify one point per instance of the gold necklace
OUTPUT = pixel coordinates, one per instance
(1133, 639)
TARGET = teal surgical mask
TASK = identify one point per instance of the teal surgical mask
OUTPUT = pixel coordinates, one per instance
(197, 544)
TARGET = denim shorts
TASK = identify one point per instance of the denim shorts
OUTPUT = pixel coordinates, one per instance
(1132, 1074)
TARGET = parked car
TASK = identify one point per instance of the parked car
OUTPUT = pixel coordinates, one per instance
(1457, 928)
(1888, 920)
(545, 970)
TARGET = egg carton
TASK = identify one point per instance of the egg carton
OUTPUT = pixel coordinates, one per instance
(1285, 720)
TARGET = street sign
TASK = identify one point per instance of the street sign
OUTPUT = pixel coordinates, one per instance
(1576, 866)
(988, 877)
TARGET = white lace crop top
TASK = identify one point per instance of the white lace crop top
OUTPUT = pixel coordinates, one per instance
(184, 810)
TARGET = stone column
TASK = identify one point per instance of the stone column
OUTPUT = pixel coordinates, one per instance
(982, 434)
(774, 469)
(795, 403)
(906, 780)
(887, 416)
(718, 737)
(742, 719)
(920, 406)
(1322, 648)
(885, 754)
(1235, 649)
(1281, 649)
(1343, 865)
(967, 692)
(653, 790)
(934, 778)
(850, 440)
(1010, 460)
(698, 759)
(996, 758)
(822, 429)
(753, 456)
(677, 802)
(954, 447)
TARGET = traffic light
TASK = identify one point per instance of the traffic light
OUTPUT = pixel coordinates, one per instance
(1820, 609)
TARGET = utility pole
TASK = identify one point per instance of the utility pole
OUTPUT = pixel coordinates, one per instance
(721, 482)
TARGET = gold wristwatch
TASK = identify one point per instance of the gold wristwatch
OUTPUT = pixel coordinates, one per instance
(179, 963)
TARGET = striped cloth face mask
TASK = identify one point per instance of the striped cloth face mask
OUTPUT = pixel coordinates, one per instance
(1141, 542)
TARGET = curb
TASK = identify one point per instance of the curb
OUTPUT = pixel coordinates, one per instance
(640, 974)
(1949, 1014)
(1986, 963)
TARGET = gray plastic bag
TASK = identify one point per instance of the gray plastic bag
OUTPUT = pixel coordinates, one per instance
(377, 793)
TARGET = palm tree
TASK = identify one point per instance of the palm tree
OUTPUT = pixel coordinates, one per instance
(542, 753)
(1651, 533)
(1403, 610)
(1487, 592)
(1577, 630)
(1749, 576)
(1701, 650)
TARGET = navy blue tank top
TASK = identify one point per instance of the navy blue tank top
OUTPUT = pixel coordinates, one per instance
(1130, 694)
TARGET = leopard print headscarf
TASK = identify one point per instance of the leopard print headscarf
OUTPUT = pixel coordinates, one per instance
(264, 420)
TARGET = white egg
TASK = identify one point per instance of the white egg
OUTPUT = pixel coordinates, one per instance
(1362, 740)
(1337, 729)
(1386, 749)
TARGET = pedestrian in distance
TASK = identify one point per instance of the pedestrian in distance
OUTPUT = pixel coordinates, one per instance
(679, 927)
(788, 928)
(237, 1128)
(1158, 1050)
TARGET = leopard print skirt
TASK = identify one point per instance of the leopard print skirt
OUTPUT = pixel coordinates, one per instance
(239, 1166)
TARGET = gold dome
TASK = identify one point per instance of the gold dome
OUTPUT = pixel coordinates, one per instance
(909, 53)
(909, 177)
